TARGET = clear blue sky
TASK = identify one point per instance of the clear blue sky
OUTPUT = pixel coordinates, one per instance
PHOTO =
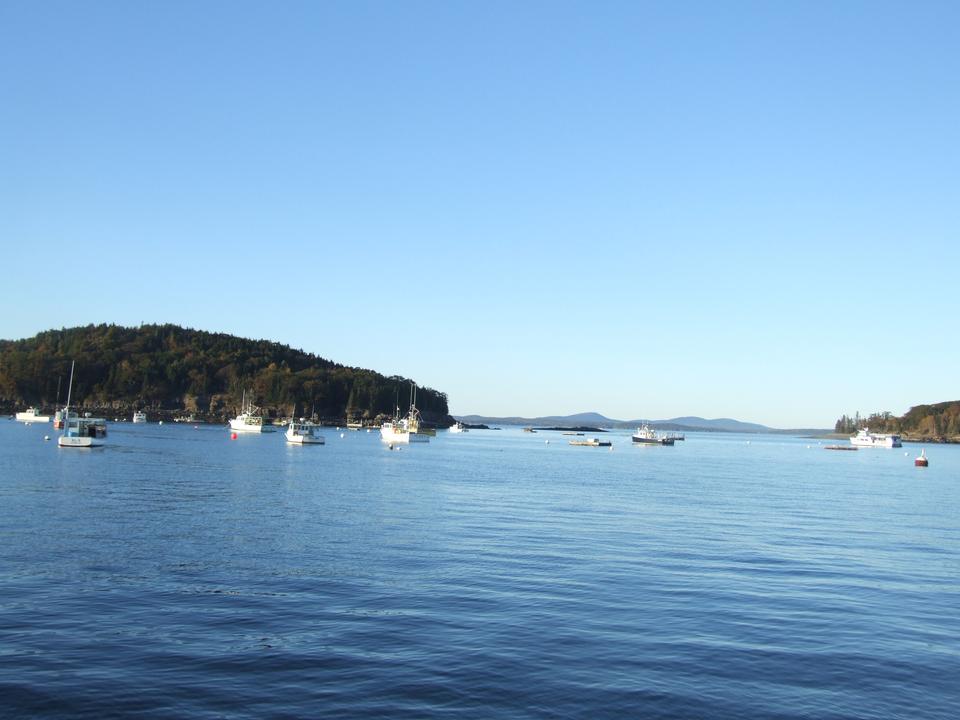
(744, 209)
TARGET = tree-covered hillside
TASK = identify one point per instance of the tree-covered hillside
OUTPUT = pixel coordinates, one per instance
(166, 367)
(933, 422)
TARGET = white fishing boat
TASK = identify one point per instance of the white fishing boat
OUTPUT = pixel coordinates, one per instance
(81, 432)
(303, 432)
(406, 430)
(32, 415)
(250, 420)
(458, 427)
(139, 416)
(646, 435)
(865, 438)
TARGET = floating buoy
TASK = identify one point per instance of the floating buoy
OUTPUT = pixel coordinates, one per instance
(922, 460)
(196, 427)
(46, 437)
(390, 446)
(342, 435)
(546, 442)
(160, 423)
(233, 436)
(905, 453)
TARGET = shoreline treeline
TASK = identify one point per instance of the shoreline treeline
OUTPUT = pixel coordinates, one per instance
(171, 368)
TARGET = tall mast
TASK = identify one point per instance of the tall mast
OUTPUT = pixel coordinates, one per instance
(66, 410)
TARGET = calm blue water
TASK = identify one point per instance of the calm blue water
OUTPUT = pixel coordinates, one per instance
(179, 574)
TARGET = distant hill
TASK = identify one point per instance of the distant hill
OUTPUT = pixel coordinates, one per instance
(718, 424)
(688, 423)
(171, 368)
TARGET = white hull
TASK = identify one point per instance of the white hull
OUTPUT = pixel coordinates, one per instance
(238, 425)
(304, 440)
(139, 417)
(886, 443)
(79, 442)
(864, 438)
(392, 435)
(302, 433)
(32, 416)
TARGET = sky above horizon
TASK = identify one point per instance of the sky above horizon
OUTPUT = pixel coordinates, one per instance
(643, 209)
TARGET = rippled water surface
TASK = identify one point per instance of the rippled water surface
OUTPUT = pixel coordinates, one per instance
(176, 573)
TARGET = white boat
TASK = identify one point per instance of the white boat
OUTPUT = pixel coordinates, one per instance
(303, 432)
(865, 438)
(458, 427)
(646, 435)
(32, 415)
(250, 420)
(81, 432)
(406, 430)
(139, 416)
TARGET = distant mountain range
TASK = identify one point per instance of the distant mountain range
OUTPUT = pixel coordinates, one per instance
(688, 422)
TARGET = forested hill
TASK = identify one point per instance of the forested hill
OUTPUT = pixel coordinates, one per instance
(170, 368)
(923, 422)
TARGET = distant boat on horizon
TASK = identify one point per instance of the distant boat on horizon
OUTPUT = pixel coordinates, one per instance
(646, 435)
(865, 438)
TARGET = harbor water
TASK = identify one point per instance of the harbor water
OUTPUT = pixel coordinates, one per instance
(176, 573)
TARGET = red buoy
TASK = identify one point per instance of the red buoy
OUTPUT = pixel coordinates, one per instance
(922, 460)
(233, 436)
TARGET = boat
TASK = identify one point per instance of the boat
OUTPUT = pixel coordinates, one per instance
(81, 432)
(185, 419)
(407, 429)
(458, 427)
(139, 416)
(32, 415)
(592, 442)
(250, 420)
(354, 424)
(865, 438)
(303, 432)
(58, 419)
(646, 435)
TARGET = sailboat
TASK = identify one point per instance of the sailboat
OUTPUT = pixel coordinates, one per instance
(81, 432)
(406, 430)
